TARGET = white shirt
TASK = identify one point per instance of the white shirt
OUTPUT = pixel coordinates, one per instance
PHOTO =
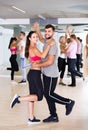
(72, 50)
(63, 55)
(22, 44)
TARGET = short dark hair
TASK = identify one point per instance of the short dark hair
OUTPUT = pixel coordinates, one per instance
(73, 36)
(50, 26)
(22, 33)
(12, 40)
(78, 38)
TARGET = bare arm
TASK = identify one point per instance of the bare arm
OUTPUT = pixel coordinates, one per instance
(67, 31)
(67, 48)
(45, 52)
(37, 29)
(63, 48)
(48, 62)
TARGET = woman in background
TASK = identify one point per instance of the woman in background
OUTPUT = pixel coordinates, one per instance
(62, 59)
(14, 65)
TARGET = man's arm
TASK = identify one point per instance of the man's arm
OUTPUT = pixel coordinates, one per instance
(21, 50)
(37, 29)
(48, 62)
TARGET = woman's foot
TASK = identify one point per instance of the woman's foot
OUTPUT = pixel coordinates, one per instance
(61, 83)
(33, 121)
(13, 82)
(14, 101)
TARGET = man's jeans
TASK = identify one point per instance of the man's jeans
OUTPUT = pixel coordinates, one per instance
(23, 67)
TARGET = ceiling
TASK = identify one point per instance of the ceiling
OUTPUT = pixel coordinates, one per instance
(47, 8)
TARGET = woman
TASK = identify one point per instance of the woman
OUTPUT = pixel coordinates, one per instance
(62, 59)
(85, 58)
(33, 77)
(14, 65)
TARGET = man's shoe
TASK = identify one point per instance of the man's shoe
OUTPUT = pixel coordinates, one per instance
(61, 83)
(69, 107)
(34, 121)
(68, 75)
(79, 74)
(72, 85)
(22, 82)
(14, 101)
(51, 119)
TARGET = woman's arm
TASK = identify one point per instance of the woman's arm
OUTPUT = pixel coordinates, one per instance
(37, 29)
(48, 62)
(45, 52)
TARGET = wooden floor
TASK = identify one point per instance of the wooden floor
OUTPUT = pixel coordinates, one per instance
(16, 118)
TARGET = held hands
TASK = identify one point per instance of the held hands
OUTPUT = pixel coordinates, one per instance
(67, 28)
(35, 26)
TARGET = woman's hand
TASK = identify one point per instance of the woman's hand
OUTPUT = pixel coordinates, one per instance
(35, 26)
(51, 44)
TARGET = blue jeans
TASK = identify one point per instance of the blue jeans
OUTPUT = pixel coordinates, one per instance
(22, 64)
(23, 67)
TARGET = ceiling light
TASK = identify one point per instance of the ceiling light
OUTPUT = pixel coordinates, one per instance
(22, 26)
(1, 19)
(42, 17)
(19, 9)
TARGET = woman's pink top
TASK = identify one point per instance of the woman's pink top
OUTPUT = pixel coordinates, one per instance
(13, 49)
(34, 58)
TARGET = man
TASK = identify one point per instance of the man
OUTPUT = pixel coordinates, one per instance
(50, 75)
(71, 57)
(78, 54)
(21, 51)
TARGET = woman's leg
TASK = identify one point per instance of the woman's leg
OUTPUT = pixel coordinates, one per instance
(9, 68)
(12, 67)
(29, 98)
(31, 110)
(62, 73)
(12, 75)
(18, 99)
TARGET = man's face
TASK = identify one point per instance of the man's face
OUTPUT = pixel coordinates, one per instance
(21, 36)
(48, 33)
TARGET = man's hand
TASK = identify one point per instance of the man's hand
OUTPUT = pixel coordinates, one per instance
(36, 26)
(51, 44)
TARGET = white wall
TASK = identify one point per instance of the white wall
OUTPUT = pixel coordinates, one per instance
(1, 46)
(5, 36)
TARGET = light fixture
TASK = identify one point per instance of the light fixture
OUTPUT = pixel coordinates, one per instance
(19, 9)
(1, 19)
(42, 17)
(22, 26)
